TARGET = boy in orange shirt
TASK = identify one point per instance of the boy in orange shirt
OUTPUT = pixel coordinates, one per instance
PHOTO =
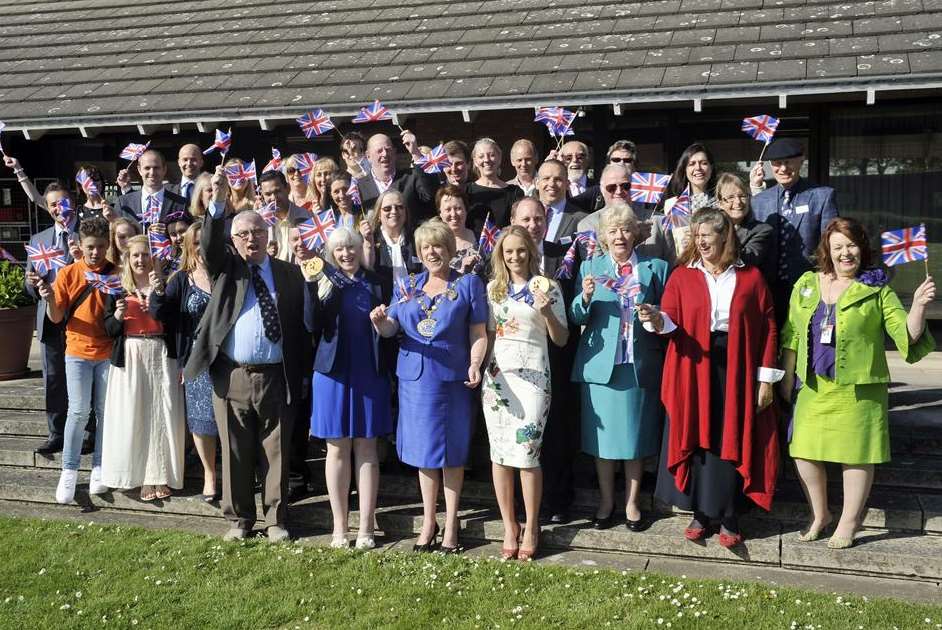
(87, 350)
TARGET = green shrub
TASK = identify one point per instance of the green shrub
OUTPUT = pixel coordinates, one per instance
(12, 292)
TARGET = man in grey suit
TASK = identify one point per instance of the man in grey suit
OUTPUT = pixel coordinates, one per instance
(562, 218)
(153, 169)
(798, 211)
(253, 341)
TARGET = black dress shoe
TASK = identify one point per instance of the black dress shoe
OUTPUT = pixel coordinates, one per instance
(604, 522)
(88, 445)
(635, 526)
(50, 446)
(430, 545)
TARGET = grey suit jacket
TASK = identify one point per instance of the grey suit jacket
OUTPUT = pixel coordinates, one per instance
(231, 276)
(569, 224)
(47, 237)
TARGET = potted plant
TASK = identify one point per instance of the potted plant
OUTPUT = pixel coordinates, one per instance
(17, 321)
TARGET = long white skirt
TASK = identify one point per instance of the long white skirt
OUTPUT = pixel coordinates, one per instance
(144, 424)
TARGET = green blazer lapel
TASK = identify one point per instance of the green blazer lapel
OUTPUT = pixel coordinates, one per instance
(855, 293)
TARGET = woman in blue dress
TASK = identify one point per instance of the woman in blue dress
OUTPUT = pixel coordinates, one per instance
(618, 365)
(442, 316)
(183, 302)
(351, 405)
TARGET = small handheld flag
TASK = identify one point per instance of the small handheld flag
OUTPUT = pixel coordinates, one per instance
(275, 163)
(87, 183)
(567, 265)
(44, 258)
(904, 245)
(315, 123)
(268, 215)
(65, 210)
(314, 231)
(304, 162)
(373, 113)
(488, 238)
(221, 143)
(133, 152)
(160, 245)
(679, 213)
(627, 287)
(435, 160)
(108, 284)
(761, 127)
(558, 121)
(648, 187)
(239, 174)
(354, 192)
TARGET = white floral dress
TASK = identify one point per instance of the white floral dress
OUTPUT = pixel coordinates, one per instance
(516, 388)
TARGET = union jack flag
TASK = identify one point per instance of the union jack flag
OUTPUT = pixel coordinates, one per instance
(108, 284)
(435, 161)
(648, 187)
(489, 236)
(406, 293)
(160, 246)
(558, 120)
(133, 152)
(588, 238)
(904, 245)
(679, 213)
(44, 258)
(304, 162)
(222, 142)
(627, 286)
(315, 123)
(569, 261)
(354, 192)
(275, 163)
(314, 231)
(87, 183)
(65, 209)
(268, 213)
(239, 174)
(374, 113)
(761, 127)
(152, 211)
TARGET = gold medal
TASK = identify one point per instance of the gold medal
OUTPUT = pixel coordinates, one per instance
(539, 283)
(312, 267)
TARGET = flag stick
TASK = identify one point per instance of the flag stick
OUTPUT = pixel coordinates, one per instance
(764, 147)
(926, 261)
(562, 137)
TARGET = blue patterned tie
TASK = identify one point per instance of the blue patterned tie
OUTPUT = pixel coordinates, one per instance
(267, 306)
(786, 211)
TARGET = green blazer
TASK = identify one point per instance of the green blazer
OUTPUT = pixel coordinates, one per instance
(863, 314)
(595, 356)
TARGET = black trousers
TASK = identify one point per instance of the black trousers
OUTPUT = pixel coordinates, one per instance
(52, 352)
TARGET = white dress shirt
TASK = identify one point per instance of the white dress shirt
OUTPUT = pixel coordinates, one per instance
(395, 256)
(555, 212)
(145, 197)
(383, 186)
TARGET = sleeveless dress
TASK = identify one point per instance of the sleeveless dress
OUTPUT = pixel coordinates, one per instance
(200, 419)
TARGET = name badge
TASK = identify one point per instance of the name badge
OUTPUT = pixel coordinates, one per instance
(827, 334)
(802, 209)
(566, 240)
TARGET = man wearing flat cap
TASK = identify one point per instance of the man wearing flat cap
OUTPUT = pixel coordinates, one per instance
(797, 210)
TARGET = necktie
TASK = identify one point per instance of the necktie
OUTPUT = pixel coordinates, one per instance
(783, 235)
(549, 221)
(187, 190)
(267, 305)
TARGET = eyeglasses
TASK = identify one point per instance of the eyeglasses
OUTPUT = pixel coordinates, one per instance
(621, 160)
(742, 198)
(245, 234)
(291, 171)
(623, 186)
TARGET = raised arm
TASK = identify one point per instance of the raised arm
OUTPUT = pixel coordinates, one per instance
(213, 234)
(28, 187)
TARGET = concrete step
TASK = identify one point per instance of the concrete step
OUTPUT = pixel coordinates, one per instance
(23, 424)
(27, 394)
(768, 543)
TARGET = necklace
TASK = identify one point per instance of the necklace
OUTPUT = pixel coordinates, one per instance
(426, 326)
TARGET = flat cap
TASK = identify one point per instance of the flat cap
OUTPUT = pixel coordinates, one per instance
(784, 148)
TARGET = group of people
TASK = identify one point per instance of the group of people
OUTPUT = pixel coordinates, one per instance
(697, 344)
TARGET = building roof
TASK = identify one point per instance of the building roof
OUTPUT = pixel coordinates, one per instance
(91, 63)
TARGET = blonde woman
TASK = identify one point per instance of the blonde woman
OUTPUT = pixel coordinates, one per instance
(180, 306)
(201, 196)
(300, 187)
(325, 169)
(142, 445)
(489, 194)
(242, 195)
(122, 229)
(524, 308)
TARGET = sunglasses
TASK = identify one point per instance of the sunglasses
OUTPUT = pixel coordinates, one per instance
(624, 187)
(621, 160)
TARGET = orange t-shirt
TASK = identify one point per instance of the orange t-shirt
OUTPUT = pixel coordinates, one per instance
(85, 335)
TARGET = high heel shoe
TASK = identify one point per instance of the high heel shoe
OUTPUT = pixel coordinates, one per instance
(428, 546)
(510, 554)
(524, 554)
(604, 522)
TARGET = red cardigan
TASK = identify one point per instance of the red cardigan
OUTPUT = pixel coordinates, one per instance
(750, 440)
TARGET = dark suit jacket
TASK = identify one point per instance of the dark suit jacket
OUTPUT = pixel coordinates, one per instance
(328, 320)
(813, 208)
(417, 187)
(231, 276)
(589, 201)
(45, 329)
(170, 309)
(569, 224)
(129, 205)
(755, 245)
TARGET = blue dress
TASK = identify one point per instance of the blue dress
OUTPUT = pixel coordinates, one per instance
(352, 401)
(200, 419)
(435, 406)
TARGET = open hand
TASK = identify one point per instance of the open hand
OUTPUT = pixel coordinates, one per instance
(588, 289)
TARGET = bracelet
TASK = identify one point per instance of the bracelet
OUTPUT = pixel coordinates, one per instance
(18, 171)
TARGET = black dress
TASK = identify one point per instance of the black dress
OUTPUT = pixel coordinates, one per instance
(497, 201)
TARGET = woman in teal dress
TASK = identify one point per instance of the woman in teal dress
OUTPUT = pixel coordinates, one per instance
(833, 347)
(619, 367)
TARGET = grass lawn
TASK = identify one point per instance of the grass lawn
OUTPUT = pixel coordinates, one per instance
(68, 575)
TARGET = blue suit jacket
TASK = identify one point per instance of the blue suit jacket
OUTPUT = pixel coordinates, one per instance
(129, 205)
(44, 327)
(595, 357)
(813, 208)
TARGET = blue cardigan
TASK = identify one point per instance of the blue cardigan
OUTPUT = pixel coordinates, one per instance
(595, 357)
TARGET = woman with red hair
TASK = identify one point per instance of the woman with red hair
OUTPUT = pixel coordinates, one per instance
(833, 347)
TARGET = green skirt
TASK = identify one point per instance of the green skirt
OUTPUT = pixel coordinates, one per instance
(846, 424)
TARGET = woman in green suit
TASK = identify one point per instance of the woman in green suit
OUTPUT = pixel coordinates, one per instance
(617, 362)
(833, 345)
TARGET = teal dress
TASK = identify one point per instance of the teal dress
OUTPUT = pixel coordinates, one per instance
(621, 403)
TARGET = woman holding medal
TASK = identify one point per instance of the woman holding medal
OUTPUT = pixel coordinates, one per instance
(442, 316)
(619, 367)
(721, 438)
(833, 344)
(516, 390)
(351, 405)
